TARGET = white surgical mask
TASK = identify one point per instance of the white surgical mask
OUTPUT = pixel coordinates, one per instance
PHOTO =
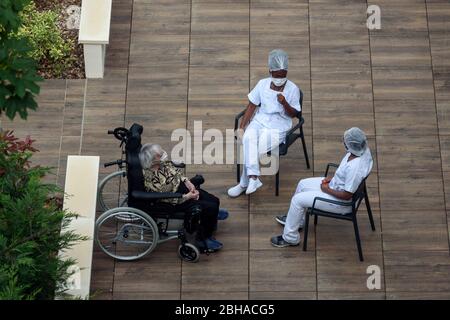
(279, 81)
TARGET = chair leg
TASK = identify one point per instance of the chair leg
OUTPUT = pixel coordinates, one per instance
(358, 240)
(315, 219)
(305, 151)
(277, 183)
(305, 231)
(369, 210)
(238, 173)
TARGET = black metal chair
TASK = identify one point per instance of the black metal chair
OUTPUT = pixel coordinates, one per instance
(358, 196)
(291, 137)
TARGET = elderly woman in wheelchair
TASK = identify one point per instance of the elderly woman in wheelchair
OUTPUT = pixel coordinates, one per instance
(153, 195)
(161, 175)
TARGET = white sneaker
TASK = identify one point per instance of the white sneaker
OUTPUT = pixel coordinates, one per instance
(253, 185)
(236, 191)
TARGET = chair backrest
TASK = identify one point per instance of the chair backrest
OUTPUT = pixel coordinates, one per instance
(301, 102)
(359, 194)
(135, 176)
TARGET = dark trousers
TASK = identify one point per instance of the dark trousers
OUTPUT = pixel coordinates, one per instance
(210, 209)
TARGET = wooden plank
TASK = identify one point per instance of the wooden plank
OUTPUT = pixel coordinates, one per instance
(278, 295)
(135, 295)
(411, 191)
(231, 265)
(401, 50)
(408, 153)
(150, 49)
(400, 117)
(220, 19)
(69, 145)
(161, 17)
(334, 117)
(442, 82)
(73, 107)
(446, 179)
(417, 271)
(336, 83)
(158, 117)
(341, 271)
(224, 51)
(208, 295)
(158, 272)
(403, 83)
(402, 16)
(285, 269)
(158, 83)
(402, 229)
(213, 83)
(418, 295)
(102, 275)
(370, 295)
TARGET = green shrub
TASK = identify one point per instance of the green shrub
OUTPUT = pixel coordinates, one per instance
(41, 30)
(18, 71)
(31, 221)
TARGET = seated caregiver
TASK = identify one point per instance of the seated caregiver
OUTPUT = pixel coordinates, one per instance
(161, 175)
(354, 167)
(276, 101)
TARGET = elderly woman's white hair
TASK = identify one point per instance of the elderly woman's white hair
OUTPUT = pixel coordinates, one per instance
(148, 153)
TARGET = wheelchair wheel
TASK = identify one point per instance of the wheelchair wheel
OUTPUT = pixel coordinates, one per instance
(126, 239)
(188, 252)
(112, 191)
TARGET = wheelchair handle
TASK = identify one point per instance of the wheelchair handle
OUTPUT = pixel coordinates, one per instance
(110, 131)
(118, 162)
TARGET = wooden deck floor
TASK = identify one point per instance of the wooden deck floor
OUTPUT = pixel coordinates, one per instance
(171, 62)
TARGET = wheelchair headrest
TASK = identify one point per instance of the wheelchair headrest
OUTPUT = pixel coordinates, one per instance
(134, 138)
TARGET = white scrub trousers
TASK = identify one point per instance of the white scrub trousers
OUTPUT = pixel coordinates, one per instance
(307, 190)
(257, 141)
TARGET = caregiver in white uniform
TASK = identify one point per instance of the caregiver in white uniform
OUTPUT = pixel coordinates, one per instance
(354, 167)
(279, 101)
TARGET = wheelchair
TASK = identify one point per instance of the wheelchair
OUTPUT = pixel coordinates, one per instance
(140, 222)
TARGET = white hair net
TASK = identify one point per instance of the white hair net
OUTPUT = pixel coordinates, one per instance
(356, 141)
(278, 60)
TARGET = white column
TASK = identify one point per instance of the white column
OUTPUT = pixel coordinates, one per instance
(94, 60)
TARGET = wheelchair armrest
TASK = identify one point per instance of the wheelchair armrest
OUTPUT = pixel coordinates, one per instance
(197, 180)
(340, 203)
(236, 119)
(178, 164)
(142, 195)
(328, 167)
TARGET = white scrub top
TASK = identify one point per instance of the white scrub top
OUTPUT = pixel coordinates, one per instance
(271, 113)
(350, 174)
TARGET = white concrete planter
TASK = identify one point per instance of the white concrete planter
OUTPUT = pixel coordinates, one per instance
(94, 30)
